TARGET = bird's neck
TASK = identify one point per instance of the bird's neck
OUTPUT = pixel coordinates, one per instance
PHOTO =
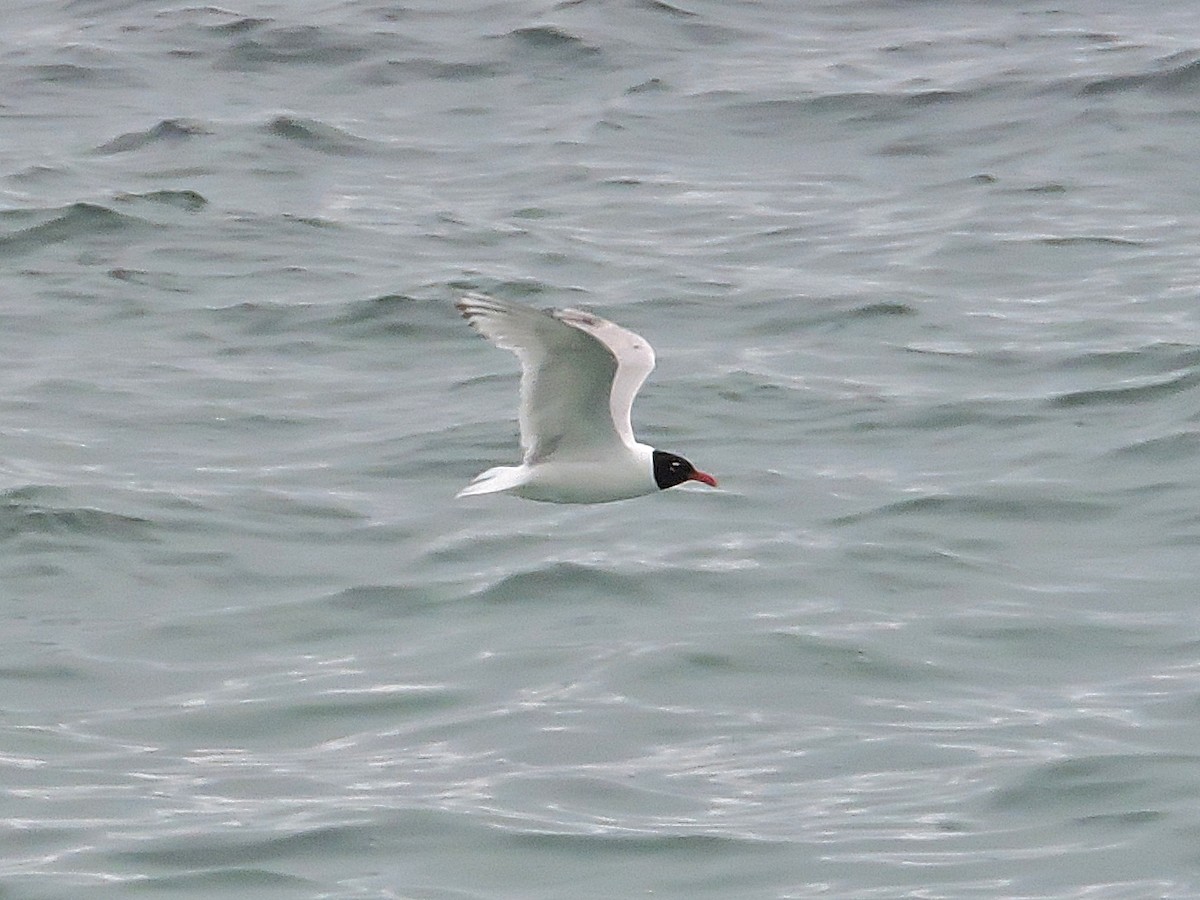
(645, 456)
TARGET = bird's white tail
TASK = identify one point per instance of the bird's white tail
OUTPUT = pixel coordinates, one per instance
(501, 478)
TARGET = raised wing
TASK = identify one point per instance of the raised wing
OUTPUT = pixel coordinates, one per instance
(635, 362)
(569, 362)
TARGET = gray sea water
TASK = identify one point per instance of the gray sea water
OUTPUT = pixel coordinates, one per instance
(923, 282)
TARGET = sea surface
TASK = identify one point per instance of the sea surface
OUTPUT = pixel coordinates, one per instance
(924, 283)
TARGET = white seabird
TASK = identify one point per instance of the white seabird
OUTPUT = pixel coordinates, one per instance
(579, 375)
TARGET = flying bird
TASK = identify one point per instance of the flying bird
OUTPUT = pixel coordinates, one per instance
(579, 375)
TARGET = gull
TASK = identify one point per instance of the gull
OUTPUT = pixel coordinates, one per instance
(579, 375)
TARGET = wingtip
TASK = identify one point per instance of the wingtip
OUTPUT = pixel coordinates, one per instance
(467, 301)
(471, 306)
(474, 306)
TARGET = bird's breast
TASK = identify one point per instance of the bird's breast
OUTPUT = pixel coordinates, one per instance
(619, 476)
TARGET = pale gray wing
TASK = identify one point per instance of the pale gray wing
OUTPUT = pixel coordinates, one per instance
(635, 362)
(566, 376)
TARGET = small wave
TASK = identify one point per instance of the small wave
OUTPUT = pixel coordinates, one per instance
(222, 880)
(857, 312)
(316, 135)
(943, 416)
(1090, 785)
(553, 40)
(1047, 187)
(40, 671)
(387, 315)
(615, 838)
(374, 309)
(79, 75)
(1183, 446)
(21, 516)
(388, 601)
(37, 173)
(650, 85)
(319, 509)
(401, 71)
(1160, 356)
(883, 308)
(191, 201)
(911, 148)
(77, 221)
(799, 111)
(304, 45)
(257, 319)
(213, 19)
(209, 851)
(1036, 508)
(552, 581)
(1123, 394)
(1084, 240)
(392, 314)
(1179, 73)
(166, 131)
(659, 6)
(847, 658)
(391, 701)
(240, 25)
(160, 281)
